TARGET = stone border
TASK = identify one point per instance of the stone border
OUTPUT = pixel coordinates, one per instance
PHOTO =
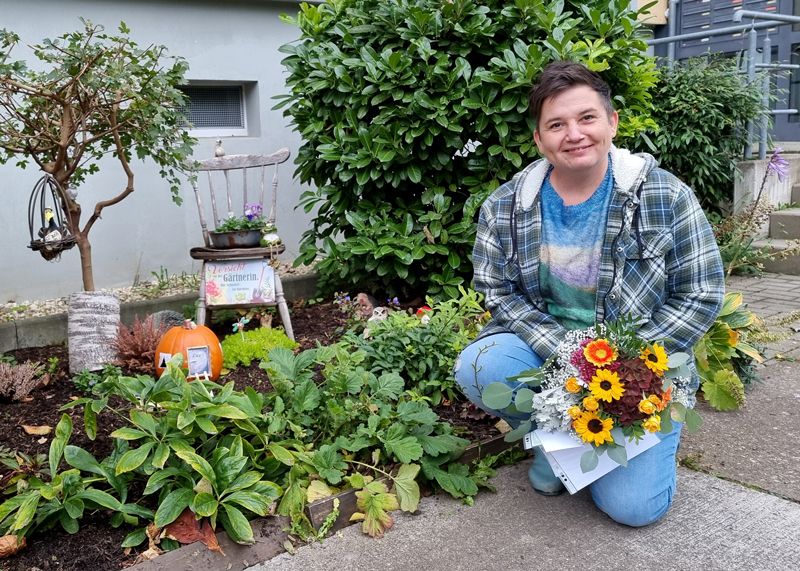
(52, 329)
(269, 532)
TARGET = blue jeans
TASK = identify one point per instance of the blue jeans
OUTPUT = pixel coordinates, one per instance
(636, 495)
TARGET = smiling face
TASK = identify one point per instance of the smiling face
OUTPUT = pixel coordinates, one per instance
(575, 131)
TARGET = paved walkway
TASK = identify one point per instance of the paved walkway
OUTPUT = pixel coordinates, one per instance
(741, 510)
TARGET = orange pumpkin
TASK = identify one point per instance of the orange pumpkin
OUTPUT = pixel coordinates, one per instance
(201, 350)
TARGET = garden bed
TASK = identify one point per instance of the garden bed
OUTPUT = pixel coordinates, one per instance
(97, 546)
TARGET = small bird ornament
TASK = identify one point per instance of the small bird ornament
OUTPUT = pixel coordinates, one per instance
(218, 150)
(50, 234)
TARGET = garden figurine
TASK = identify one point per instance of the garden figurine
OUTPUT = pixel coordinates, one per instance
(588, 234)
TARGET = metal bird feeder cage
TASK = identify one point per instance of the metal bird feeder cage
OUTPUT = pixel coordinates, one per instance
(45, 211)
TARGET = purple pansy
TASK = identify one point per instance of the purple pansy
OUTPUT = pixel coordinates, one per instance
(252, 210)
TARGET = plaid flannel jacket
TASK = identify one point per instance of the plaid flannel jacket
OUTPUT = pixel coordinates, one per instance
(660, 262)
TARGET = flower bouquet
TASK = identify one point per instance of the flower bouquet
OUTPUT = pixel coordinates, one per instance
(604, 386)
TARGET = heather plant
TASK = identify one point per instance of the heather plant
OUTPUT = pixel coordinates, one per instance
(18, 380)
(136, 345)
(411, 113)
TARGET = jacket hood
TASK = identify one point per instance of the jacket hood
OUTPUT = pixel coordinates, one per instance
(629, 171)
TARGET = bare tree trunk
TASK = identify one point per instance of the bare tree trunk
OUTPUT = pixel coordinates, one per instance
(92, 324)
(85, 250)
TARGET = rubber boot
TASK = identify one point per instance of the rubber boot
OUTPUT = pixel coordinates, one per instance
(541, 476)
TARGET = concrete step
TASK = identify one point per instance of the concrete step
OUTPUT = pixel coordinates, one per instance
(785, 224)
(796, 194)
(790, 264)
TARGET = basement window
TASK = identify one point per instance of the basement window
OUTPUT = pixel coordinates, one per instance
(219, 110)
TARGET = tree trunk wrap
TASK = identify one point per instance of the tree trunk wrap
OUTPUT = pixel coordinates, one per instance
(92, 324)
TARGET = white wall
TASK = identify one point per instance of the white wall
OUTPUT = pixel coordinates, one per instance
(222, 40)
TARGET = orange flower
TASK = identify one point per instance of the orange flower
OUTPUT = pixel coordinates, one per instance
(599, 352)
(572, 385)
(665, 399)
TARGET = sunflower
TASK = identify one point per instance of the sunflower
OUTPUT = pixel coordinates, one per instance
(593, 429)
(655, 357)
(606, 385)
(599, 352)
(572, 385)
(652, 423)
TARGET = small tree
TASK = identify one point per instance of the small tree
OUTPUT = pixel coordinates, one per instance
(96, 95)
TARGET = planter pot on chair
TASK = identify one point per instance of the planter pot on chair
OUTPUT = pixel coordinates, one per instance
(235, 239)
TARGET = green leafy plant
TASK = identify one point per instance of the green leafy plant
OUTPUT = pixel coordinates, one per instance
(21, 467)
(68, 494)
(423, 351)
(89, 95)
(252, 219)
(703, 107)
(247, 346)
(724, 356)
(411, 113)
(86, 381)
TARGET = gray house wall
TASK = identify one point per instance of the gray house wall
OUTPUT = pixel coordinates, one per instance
(222, 40)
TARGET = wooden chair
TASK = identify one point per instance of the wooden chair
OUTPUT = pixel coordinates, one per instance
(238, 264)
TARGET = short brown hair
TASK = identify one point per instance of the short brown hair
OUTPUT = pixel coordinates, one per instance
(559, 76)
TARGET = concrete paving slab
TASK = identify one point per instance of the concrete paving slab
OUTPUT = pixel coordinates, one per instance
(756, 445)
(714, 524)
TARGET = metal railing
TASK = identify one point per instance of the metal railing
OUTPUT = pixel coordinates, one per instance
(754, 60)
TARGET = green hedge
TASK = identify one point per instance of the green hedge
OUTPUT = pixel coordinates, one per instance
(412, 112)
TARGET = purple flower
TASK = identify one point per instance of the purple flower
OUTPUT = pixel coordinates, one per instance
(252, 210)
(778, 165)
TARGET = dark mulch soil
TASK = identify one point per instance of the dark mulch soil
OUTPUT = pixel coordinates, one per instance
(96, 546)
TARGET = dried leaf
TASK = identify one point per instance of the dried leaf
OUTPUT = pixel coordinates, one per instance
(11, 544)
(188, 529)
(318, 490)
(37, 430)
(41, 440)
(502, 426)
(149, 554)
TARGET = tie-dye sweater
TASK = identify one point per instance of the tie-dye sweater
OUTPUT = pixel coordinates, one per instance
(572, 241)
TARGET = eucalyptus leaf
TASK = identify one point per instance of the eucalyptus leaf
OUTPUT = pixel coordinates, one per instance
(519, 432)
(589, 460)
(523, 400)
(497, 396)
(618, 454)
